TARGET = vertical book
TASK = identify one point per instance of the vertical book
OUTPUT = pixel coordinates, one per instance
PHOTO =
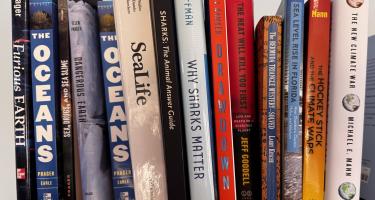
(221, 100)
(194, 77)
(346, 99)
(66, 105)
(315, 99)
(292, 100)
(269, 40)
(44, 62)
(243, 95)
(23, 130)
(138, 63)
(122, 174)
(167, 61)
(89, 106)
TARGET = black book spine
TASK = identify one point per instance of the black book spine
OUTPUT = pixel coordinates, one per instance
(166, 51)
(22, 101)
(66, 114)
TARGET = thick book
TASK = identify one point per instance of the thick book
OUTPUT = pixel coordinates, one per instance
(22, 101)
(346, 99)
(315, 98)
(292, 92)
(138, 63)
(122, 174)
(194, 75)
(243, 92)
(66, 105)
(269, 59)
(368, 159)
(44, 70)
(222, 99)
(170, 98)
(89, 107)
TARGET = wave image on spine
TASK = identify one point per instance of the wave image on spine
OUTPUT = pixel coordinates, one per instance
(90, 120)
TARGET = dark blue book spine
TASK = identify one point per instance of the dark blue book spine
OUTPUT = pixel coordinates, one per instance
(23, 123)
(43, 15)
(292, 99)
(122, 175)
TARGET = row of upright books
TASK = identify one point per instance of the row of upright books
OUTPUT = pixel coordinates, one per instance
(182, 99)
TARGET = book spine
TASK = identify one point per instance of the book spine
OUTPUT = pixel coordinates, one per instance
(196, 97)
(269, 39)
(243, 92)
(66, 104)
(23, 130)
(221, 100)
(44, 59)
(140, 82)
(346, 99)
(89, 107)
(292, 100)
(170, 98)
(122, 175)
(315, 99)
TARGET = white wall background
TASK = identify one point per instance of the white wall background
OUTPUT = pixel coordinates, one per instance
(7, 174)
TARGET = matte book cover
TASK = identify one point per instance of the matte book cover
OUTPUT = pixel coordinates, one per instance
(22, 101)
(170, 98)
(315, 100)
(89, 107)
(346, 99)
(44, 62)
(222, 100)
(66, 104)
(269, 46)
(122, 174)
(194, 75)
(292, 99)
(243, 96)
(140, 80)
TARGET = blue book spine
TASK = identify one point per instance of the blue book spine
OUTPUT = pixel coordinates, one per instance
(122, 176)
(292, 99)
(44, 72)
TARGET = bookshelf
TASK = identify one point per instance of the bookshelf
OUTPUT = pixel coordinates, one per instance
(7, 172)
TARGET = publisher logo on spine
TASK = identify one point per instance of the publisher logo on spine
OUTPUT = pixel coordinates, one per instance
(355, 3)
(351, 102)
(347, 191)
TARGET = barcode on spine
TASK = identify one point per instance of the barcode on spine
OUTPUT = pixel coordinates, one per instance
(365, 175)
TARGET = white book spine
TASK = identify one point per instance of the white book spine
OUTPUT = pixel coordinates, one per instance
(137, 60)
(196, 99)
(346, 99)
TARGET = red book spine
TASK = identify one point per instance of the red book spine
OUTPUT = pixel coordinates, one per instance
(222, 101)
(243, 96)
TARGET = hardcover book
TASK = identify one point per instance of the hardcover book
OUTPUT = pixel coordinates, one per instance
(243, 96)
(140, 82)
(346, 99)
(368, 160)
(222, 100)
(66, 105)
(292, 95)
(122, 174)
(22, 101)
(269, 46)
(89, 106)
(44, 59)
(194, 75)
(170, 98)
(315, 98)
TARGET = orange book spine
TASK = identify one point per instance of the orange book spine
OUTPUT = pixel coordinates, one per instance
(316, 97)
(221, 100)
